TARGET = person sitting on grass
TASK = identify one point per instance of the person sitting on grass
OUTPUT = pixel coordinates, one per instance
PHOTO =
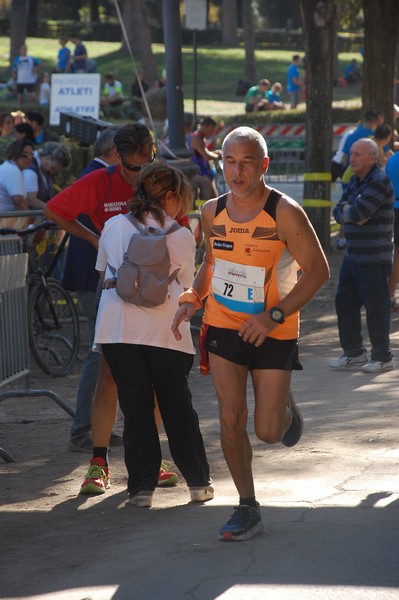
(112, 91)
(274, 97)
(255, 99)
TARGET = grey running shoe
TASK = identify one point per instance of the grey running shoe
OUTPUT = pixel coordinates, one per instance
(202, 493)
(376, 366)
(81, 442)
(143, 499)
(295, 430)
(348, 362)
(244, 523)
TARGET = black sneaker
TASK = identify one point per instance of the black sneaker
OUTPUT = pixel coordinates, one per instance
(243, 524)
(295, 430)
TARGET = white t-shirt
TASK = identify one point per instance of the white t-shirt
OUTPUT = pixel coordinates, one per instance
(11, 184)
(30, 177)
(121, 322)
(26, 69)
(44, 94)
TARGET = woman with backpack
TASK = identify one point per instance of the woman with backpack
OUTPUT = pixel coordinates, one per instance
(139, 346)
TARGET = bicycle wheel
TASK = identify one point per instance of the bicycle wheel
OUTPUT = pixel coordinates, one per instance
(53, 327)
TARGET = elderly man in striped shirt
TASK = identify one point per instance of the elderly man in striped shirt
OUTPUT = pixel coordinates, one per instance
(366, 211)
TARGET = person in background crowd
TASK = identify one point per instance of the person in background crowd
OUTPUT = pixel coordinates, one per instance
(392, 170)
(383, 138)
(47, 162)
(366, 211)
(36, 120)
(79, 58)
(80, 275)
(24, 131)
(112, 91)
(18, 116)
(274, 97)
(197, 142)
(12, 186)
(352, 73)
(45, 90)
(294, 80)
(63, 56)
(6, 124)
(24, 74)
(255, 98)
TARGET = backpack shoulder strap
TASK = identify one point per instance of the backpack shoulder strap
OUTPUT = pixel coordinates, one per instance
(134, 221)
(174, 227)
(221, 204)
(271, 203)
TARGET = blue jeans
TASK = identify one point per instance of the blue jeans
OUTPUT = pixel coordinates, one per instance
(89, 376)
(364, 285)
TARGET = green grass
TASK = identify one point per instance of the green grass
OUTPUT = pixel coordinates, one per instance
(219, 70)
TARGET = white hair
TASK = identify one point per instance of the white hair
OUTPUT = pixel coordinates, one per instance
(371, 145)
(247, 134)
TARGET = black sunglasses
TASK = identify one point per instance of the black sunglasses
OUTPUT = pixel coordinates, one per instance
(135, 168)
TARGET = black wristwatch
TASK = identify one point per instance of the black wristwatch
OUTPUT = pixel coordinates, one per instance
(276, 315)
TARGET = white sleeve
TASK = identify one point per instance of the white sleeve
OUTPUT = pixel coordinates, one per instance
(101, 262)
(182, 252)
(14, 183)
(31, 180)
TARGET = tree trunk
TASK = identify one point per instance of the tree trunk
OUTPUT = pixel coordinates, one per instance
(318, 22)
(18, 20)
(380, 37)
(139, 35)
(229, 23)
(249, 41)
(31, 27)
(94, 11)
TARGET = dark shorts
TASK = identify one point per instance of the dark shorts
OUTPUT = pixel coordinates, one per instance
(272, 354)
(29, 87)
(396, 227)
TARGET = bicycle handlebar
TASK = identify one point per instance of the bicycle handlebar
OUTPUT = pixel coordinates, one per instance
(44, 225)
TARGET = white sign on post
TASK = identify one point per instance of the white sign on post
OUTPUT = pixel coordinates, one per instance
(78, 93)
(196, 14)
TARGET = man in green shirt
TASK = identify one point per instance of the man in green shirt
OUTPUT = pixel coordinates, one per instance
(255, 99)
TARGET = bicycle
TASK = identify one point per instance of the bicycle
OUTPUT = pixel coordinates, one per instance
(53, 321)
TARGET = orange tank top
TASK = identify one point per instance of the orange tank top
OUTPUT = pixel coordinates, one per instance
(252, 270)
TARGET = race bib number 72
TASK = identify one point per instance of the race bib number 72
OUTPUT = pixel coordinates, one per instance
(239, 287)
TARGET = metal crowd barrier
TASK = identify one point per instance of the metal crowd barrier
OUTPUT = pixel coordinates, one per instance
(287, 160)
(14, 344)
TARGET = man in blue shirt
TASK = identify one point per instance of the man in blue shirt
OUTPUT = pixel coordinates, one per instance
(79, 55)
(366, 211)
(293, 80)
(392, 170)
(63, 56)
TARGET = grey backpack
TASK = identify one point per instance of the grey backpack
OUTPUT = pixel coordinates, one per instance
(143, 278)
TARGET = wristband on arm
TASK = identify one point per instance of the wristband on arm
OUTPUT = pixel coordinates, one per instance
(192, 297)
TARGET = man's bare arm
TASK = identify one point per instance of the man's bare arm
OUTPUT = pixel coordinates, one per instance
(295, 229)
(72, 227)
(20, 202)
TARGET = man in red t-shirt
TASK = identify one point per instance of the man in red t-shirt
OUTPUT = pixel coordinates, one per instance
(101, 195)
